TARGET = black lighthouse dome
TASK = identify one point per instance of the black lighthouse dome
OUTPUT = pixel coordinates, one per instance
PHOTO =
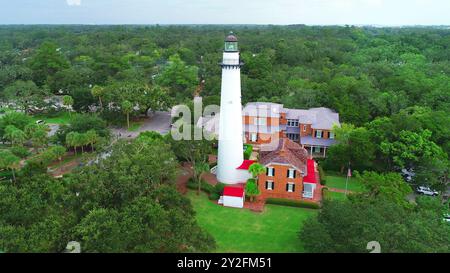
(231, 43)
(231, 37)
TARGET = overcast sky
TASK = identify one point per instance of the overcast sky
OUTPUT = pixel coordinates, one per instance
(311, 12)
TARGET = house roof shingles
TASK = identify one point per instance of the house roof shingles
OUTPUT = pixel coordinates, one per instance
(287, 152)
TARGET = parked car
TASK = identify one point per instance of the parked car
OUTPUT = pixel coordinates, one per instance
(408, 174)
(426, 191)
(40, 121)
(447, 217)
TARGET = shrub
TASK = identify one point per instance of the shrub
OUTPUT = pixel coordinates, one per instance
(214, 196)
(193, 185)
(292, 203)
(218, 188)
(323, 178)
(248, 151)
(20, 151)
(325, 193)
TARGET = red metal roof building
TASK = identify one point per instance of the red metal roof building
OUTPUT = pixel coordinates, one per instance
(246, 164)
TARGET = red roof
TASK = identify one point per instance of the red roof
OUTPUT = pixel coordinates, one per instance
(246, 164)
(311, 177)
(233, 191)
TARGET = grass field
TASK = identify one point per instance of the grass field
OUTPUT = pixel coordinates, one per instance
(338, 182)
(335, 195)
(240, 230)
(60, 118)
(135, 125)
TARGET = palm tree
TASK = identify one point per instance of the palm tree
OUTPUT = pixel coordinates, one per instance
(59, 152)
(82, 141)
(68, 102)
(14, 135)
(127, 107)
(199, 169)
(98, 92)
(251, 188)
(256, 169)
(9, 161)
(71, 140)
(92, 137)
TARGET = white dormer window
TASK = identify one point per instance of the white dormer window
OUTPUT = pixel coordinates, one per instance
(319, 133)
(254, 137)
(270, 171)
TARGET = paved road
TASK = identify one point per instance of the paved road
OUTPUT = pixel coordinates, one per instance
(158, 122)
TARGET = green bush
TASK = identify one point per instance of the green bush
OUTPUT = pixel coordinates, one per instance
(20, 151)
(292, 203)
(193, 185)
(218, 188)
(323, 178)
(248, 151)
(214, 196)
(324, 193)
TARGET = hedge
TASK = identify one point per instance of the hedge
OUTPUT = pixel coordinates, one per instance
(248, 151)
(193, 185)
(292, 203)
(214, 192)
(323, 178)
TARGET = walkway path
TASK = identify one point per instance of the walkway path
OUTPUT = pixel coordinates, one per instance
(157, 122)
(182, 180)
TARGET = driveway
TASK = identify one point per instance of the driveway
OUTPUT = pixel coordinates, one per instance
(157, 122)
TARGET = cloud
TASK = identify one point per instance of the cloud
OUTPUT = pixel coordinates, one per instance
(73, 2)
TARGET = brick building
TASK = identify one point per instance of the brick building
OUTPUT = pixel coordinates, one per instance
(289, 173)
(264, 123)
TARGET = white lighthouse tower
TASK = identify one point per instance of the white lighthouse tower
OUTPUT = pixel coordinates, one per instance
(230, 155)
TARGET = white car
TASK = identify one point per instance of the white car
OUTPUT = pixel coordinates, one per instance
(426, 191)
(447, 217)
(40, 121)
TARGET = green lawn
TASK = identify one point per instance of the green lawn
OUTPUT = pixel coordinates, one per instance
(135, 125)
(61, 118)
(335, 195)
(338, 182)
(240, 230)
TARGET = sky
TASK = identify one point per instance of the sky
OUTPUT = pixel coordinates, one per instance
(282, 12)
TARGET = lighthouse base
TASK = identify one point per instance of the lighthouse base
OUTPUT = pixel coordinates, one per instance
(232, 177)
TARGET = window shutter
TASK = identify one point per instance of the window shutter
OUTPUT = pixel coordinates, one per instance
(273, 171)
(267, 185)
(273, 185)
(267, 171)
(287, 187)
(293, 187)
(295, 173)
(287, 173)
